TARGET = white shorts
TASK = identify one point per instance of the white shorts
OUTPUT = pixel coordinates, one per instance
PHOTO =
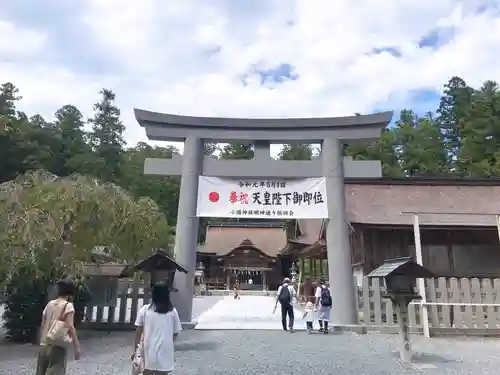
(324, 313)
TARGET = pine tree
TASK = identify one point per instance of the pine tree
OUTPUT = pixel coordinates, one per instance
(107, 138)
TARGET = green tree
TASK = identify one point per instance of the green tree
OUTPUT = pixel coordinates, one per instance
(10, 152)
(9, 96)
(161, 189)
(452, 109)
(209, 148)
(237, 151)
(60, 220)
(107, 138)
(54, 224)
(74, 154)
(383, 149)
(421, 150)
(296, 151)
(478, 155)
(23, 145)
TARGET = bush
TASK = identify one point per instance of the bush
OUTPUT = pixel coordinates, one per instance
(25, 299)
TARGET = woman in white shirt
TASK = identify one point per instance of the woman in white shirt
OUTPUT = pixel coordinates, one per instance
(158, 325)
(52, 359)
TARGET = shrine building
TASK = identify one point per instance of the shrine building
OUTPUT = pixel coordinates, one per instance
(244, 251)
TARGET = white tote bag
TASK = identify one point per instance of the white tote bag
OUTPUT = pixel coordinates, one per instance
(138, 360)
(58, 334)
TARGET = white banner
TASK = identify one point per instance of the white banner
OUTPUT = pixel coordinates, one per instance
(268, 199)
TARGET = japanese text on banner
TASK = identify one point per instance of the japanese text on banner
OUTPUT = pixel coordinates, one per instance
(262, 198)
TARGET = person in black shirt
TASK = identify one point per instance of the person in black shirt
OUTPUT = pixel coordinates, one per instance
(284, 296)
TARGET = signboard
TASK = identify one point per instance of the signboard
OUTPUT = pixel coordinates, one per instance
(262, 199)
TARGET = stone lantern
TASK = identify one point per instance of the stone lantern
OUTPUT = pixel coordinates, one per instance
(399, 277)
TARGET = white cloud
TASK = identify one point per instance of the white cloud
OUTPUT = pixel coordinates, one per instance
(166, 53)
(19, 42)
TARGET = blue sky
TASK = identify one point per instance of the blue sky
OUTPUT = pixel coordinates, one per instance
(259, 58)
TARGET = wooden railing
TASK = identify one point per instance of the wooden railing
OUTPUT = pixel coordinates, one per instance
(122, 316)
(455, 306)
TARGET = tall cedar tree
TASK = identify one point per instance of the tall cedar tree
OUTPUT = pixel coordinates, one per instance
(107, 138)
(453, 106)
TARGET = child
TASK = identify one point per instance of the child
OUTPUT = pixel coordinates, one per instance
(309, 316)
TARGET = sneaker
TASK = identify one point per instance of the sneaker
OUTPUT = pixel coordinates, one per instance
(321, 329)
(325, 332)
(291, 330)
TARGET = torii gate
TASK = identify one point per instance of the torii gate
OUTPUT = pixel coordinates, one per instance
(331, 133)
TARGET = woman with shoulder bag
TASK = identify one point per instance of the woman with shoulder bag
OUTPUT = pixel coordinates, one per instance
(57, 332)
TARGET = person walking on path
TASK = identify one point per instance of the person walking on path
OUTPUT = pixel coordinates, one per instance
(157, 327)
(237, 290)
(285, 296)
(309, 316)
(323, 297)
(52, 359)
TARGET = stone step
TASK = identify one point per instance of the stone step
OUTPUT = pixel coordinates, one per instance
(250, 312)
(242, 293)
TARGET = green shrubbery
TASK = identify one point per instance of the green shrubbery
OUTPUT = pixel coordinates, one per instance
(25, 299)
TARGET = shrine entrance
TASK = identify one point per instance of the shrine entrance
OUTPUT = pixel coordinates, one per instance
(243, 251)
(249, 278)
(329, 170)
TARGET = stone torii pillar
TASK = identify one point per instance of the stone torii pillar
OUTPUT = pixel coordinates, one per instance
(332, 133)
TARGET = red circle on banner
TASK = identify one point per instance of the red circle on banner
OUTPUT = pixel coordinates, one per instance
(213, 197)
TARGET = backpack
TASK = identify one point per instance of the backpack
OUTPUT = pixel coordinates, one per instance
(326, 298)
(285, 297)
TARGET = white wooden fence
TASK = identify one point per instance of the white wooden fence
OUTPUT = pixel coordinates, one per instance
(454, 306)
(122, 316)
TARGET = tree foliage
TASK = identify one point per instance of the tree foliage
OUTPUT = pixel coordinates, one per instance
(236, 151)
(296, 151)
(49, 220)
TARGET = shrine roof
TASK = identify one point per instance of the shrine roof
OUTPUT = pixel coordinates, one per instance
(437, 204)
(221, 240)
(310, 231)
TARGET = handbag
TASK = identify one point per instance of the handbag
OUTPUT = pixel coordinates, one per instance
(58, 334)
(138, 363)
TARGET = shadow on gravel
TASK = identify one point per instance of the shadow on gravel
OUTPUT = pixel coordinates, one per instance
(99, 342)
(428, 358)
(195, 346)
(91, 341)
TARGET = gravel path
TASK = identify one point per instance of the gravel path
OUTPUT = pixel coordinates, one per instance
(276, 353)
(256, 352)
